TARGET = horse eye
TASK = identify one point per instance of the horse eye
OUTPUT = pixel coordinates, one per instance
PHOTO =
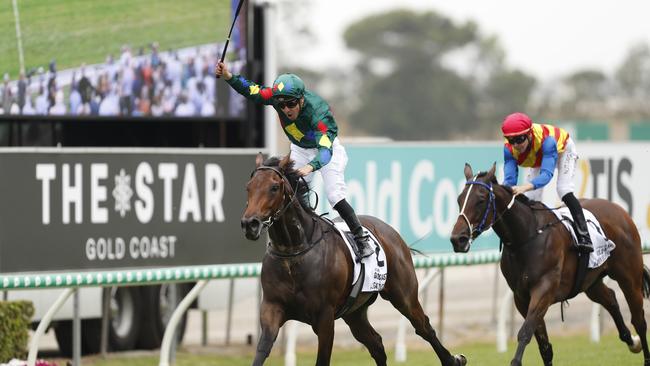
(275, 188)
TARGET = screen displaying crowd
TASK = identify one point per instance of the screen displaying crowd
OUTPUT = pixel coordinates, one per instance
(147, 82)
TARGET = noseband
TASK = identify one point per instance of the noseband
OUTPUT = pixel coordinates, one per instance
(490, 207)
(279, 212)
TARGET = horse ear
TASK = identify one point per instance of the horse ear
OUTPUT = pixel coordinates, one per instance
(490, 174)
(284, 163)
(468, 172)
(259, 159)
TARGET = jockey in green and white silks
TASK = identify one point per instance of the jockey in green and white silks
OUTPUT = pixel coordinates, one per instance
(307, 121)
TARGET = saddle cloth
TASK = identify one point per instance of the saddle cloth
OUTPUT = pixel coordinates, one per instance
(602, 245)
(375, 265)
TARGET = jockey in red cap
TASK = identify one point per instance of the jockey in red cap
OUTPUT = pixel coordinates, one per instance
(543, 148)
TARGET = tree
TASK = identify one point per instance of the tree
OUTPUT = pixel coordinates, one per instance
(588, 91)
(424, 77)
(633, 77)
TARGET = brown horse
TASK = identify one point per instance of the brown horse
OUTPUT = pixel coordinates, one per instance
(307, 270)
(539, 264)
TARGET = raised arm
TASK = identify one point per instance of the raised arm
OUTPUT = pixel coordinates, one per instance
(247, 88)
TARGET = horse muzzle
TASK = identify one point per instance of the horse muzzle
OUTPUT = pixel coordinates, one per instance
(252, 227)
(460, 242)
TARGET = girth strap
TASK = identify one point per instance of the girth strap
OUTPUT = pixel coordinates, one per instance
(354, 293)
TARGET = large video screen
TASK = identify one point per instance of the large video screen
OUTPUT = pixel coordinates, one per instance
(151, 58)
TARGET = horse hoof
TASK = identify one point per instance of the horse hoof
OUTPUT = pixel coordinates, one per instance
(636, 344)
(461, 360)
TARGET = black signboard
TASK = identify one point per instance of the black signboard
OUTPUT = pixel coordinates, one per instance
(81, 209)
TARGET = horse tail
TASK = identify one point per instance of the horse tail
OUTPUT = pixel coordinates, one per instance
(646, 282)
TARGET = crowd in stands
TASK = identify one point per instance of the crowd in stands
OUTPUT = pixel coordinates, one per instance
(149, 83)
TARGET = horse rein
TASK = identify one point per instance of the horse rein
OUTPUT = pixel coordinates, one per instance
(476, 231)
(271, 220)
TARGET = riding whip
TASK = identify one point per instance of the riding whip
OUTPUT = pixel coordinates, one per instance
(225, 47)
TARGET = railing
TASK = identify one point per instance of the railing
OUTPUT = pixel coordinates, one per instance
(202, 274)
(74, 280)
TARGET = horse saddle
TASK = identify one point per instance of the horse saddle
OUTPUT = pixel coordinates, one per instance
(601, 244)
(369, 273)
(375, 268)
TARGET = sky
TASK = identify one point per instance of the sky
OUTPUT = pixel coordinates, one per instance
(547, 38)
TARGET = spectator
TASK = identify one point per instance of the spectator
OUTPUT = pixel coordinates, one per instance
(110, 105)
(156, 107)
(143, 103)
(58, 109)
(7, 96)
(28, 109)
(22, 91)
(185, 108)
(75, 98)
(42, 105)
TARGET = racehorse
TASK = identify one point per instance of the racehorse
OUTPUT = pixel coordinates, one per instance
(539, 264)
(307, 271)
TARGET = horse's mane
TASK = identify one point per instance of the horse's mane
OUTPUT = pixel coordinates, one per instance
(299, 185)
(521, 198)
(536, 205)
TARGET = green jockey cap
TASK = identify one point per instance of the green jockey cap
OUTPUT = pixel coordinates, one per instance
(289, 86)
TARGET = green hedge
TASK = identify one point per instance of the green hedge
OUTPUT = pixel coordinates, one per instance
(15, 320)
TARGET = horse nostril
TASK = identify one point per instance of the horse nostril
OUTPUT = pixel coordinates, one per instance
(251, 223)
(459, 239)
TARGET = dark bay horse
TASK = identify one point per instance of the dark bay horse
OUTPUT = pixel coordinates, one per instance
(307, 270)
(539, 264)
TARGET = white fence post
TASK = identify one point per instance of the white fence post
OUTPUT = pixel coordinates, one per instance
(45, 322)
(502, 332)
(168, 338)
(292, 337)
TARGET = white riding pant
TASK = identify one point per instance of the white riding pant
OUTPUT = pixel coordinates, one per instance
(566, 171)
(332, 172)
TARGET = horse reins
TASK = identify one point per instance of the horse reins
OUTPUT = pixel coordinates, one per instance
(271, 220)
(476, 231)
(275, 216)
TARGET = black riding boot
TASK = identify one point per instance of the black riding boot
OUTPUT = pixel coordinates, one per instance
(582, 233)
(347, 214)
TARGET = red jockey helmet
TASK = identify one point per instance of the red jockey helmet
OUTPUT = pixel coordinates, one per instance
(516, 124)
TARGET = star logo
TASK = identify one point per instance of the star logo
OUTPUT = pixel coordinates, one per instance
(122, 193)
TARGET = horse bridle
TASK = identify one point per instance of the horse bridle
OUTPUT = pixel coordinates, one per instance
(279, 212)
(491, 206)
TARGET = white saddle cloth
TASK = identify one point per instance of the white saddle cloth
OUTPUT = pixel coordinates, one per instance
(602, 245)
(375, 265)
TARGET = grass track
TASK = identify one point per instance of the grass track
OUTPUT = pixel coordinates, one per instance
(569, 351)
(76, 31)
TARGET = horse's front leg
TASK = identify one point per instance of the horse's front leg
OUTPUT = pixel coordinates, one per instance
(541, 298)
(545, 348)
(272, 317)
(324, 329)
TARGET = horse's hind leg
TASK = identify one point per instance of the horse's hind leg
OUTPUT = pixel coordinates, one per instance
(632, 289)
(606, 297)
(363, 332)
(407, 303)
